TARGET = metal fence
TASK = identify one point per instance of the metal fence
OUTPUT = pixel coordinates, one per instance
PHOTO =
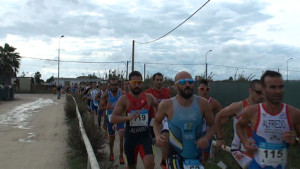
(229, 92)
(92, 162)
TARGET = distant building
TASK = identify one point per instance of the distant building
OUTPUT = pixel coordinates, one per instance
(24, 84)
(71, 81)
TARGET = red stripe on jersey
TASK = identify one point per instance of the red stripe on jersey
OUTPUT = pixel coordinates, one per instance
(258, 118)
(288, 117)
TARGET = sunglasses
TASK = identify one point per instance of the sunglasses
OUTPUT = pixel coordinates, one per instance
(184, 81)
(258, 92)
(134, 82)
(204, 88)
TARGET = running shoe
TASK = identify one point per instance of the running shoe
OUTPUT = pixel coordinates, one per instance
(163, 164)
(111, 158)
(122, 160)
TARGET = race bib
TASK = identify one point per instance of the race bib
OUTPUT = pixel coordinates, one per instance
(141, 120)
(95, 102)
(272, 154)
(192, 164)
(109, 116)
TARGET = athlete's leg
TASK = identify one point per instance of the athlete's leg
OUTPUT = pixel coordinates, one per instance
(111, 141)
(164, 152)
(146, 152)
(242, 158)
(148, 161)
(164, 149)
(121, 134)
(131, 153)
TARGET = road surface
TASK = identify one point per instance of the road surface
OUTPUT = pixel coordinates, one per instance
(33, 132)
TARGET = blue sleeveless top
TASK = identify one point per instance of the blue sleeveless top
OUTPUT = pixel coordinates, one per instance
(184, 129)
(112, 101)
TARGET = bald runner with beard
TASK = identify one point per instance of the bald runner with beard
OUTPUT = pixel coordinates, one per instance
(186, 113)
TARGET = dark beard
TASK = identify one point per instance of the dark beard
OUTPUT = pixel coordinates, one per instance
(136, 90)
(186, 93)
(114, 90)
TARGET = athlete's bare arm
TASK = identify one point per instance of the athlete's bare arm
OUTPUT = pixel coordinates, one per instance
(224, 114)
(89, 94)
(216, 106)
(152, 102)
(103, 102)
(249, 116)
(203, 142)
(121, 106)
(164, 109)
(98, 96)
(290, 136)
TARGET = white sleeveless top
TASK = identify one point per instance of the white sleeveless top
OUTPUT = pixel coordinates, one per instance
(268, 135)
(236, 142)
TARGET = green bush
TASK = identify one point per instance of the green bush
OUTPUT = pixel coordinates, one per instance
(70, 108)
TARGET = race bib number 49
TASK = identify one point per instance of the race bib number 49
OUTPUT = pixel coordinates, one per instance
(272, 154)
(141, 120)
(192, 164)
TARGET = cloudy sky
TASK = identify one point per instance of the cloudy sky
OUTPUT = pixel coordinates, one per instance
(246, 36)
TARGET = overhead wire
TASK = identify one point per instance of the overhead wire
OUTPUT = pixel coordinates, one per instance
(71, 61)
(153, 63)
(175, 27)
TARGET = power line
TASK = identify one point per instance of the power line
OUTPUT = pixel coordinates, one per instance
(235, 67)
(155, 63)
(71, 61)
(39, 58)
(175, 27)
(293, 70)
(151, 63)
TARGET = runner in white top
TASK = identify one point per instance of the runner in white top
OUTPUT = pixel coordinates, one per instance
(275, 125)
(235, 110)
(92, 96)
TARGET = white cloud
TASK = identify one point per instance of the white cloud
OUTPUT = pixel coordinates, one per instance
(244, 34)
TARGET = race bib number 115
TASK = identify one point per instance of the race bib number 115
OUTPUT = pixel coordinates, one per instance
(273, 154)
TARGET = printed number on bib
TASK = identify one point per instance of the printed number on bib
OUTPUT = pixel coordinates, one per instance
(95, 102)
(141, 120)
(192, 164)
(273, 154)
(109, 116)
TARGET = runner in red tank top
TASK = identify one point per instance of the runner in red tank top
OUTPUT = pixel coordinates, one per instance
(234, 110)
(137, 135)
(215, 106)
(160, 93)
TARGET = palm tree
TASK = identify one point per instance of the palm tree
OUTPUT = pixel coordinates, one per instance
(9, 63)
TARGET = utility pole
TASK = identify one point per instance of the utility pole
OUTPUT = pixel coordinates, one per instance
(126, 70)
(206, 63)
(132, 63)
(144, 71)
(58, 57)
(287, 69)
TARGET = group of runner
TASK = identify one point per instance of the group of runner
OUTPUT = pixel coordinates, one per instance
(184, 125)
